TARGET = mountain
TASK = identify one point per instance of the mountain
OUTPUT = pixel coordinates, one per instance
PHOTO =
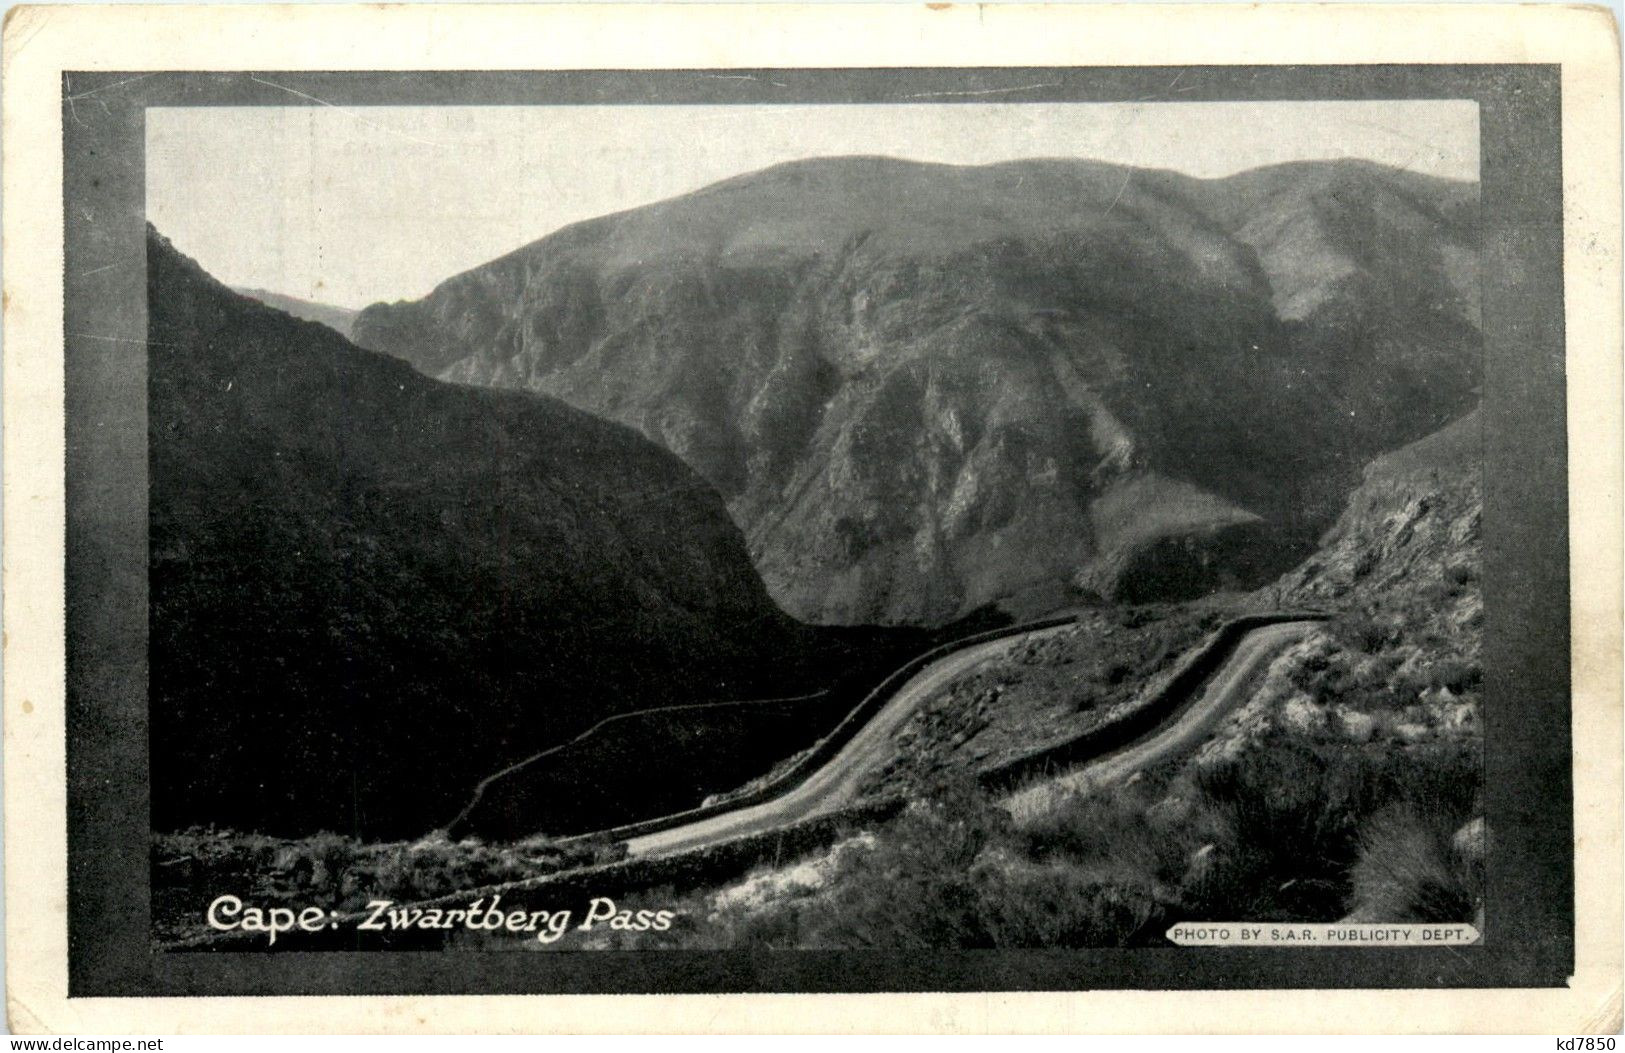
(922, 388)
(1350, 785)
(1411, 531)
(338, 319)
(369, 590)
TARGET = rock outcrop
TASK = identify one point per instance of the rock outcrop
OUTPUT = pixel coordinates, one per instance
(921, 388)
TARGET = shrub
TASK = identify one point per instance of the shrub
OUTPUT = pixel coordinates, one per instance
(1109, 828)
(1063, 906)
(330, 856)
(1289, 813)
(1134, 617)
(1408, 871)
(1362, 631)
(1459, 675)
(952, 873)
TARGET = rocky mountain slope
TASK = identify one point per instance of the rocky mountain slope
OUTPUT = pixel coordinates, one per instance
(338, 319)
(1349, 786)
(921, 388)
(370, 589)
(1399, 668)
(1396, 666)
(1411, 526)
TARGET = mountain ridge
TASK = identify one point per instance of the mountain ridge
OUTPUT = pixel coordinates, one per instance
(923, 388)
(339, 319)
(370, 589)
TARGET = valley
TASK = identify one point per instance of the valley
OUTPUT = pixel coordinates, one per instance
(924, 388)
(370, 590)
(1099, 538)
(1342, 781)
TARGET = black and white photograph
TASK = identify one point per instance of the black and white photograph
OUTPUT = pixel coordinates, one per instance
(912, 525)
(806, 529)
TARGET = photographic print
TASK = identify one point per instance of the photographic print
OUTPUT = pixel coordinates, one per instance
(911, 525)
(792, 527)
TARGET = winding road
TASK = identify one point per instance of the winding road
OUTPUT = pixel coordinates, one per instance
(1228, 687)
(835, 785)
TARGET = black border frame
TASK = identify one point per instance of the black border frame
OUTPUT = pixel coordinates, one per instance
(1529, 940)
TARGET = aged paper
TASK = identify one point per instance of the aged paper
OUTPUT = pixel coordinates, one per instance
(1190, 344)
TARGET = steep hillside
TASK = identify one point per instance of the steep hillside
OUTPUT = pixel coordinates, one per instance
(338, 319)
(921, 387)
(370, 589)
(1410, 527)
(1374, 273)
(1348, 787)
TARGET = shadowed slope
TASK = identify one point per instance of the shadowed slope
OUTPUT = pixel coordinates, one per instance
(925, 387)
(370, 589)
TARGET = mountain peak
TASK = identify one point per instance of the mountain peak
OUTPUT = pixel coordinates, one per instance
(925, 387)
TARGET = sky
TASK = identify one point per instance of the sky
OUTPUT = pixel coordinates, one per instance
(352, 206)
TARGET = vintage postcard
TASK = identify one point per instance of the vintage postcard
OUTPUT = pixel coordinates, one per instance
(821, 515)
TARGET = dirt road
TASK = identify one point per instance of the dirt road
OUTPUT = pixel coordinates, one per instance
(1228, 687)
(836, 783)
